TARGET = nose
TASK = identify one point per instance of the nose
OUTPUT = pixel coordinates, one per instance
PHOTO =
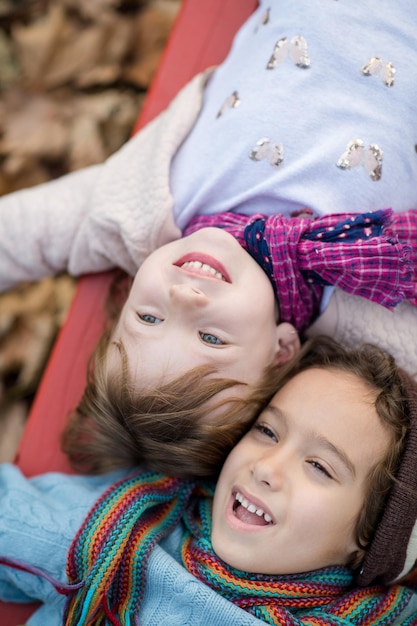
(269, 470)
(187, 295)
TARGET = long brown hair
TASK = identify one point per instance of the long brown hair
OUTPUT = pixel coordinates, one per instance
(178, 428)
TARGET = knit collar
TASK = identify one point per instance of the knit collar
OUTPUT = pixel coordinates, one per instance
(325, 596)
(108, 558)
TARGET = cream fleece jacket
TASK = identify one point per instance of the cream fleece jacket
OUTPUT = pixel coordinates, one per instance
(352, 320)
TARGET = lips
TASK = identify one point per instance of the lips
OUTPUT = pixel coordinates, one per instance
(203, 265)
(248, 512)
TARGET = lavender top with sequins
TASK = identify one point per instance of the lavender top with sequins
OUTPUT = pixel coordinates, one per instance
(314, 107)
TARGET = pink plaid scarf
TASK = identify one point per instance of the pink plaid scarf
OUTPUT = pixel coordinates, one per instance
(372, 255)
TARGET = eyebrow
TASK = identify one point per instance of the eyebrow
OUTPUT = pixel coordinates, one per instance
(341, 454)
(320, 439)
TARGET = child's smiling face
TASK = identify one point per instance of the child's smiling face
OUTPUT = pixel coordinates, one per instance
(290, 493)
(202, 300)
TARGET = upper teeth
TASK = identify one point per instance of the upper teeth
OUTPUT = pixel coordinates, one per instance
(252, 508)
(198, 265)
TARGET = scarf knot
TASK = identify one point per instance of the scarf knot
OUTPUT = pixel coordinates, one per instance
(371, 255)
(255, 243)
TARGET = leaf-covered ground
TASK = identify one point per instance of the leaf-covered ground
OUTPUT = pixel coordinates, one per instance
(73, 75)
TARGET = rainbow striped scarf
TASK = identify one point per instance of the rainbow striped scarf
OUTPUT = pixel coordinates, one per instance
(322, 597)
(110, 552)
(108, 557)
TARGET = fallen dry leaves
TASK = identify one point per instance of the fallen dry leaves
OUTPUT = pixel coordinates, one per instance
(73, 75)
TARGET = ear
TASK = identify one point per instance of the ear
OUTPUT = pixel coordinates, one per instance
(355, 556)
(288, 343)
(355, 559)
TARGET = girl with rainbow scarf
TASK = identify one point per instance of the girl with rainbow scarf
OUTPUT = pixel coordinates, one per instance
(312, 520)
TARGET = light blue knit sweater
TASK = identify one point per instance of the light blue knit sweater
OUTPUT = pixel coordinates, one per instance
(38, 520)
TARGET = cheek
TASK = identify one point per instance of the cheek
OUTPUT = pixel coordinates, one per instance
(255, 313)
(218, 512)
(230, 473)
(329, 513)
(255, 288)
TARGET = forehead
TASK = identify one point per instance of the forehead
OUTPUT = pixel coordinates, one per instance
(326, 385)
(319, 390)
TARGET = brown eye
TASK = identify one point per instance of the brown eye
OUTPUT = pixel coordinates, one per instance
(319, 468)
(265, 430)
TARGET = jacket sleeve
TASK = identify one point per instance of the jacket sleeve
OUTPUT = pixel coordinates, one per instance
(353, 320)
(38, 226)
(107, 215)
(38, 519)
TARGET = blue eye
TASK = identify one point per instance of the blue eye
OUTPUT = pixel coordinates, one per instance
(211, 339)
(149, 319)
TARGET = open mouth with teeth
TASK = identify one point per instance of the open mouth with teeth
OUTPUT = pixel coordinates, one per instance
(202, 268)
(204, 265)
(248, 513)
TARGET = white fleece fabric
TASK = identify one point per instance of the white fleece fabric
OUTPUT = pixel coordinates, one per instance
(113, 214)
(352, 320)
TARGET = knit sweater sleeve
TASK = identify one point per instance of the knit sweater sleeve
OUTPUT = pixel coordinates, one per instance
(38, 520)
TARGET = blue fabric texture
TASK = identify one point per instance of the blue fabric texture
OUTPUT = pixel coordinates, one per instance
(38, 520)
